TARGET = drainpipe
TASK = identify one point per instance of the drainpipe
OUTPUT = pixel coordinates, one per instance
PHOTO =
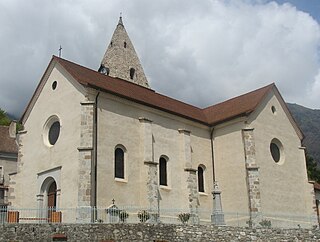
(217, 216)
(212, 156)
(94, 162)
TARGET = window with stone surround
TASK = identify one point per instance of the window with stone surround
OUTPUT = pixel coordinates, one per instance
(132, 71)
(163, 179)
(276, 150)
(201, 170)
(119, 162)
(51, 131)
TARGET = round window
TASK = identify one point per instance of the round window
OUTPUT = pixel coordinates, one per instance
(276, 149)
(54, 85)
(54, 132)
(51, 131)
(275, 152)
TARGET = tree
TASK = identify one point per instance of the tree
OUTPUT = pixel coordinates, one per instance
(313, 172)
(4, 120)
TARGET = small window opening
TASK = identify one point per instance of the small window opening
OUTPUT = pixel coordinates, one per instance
(119, 163)
(125, 44)
(273, 109)
(107, 71)
(104, 70)
(111, 44)
(132, 71)
(200, 179)
(163, 171)
(54, 85)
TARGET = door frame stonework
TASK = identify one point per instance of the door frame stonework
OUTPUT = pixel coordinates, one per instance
(44, 180)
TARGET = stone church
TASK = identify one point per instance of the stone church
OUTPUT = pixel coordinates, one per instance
(93, 136)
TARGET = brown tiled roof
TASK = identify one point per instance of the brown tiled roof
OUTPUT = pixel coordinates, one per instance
(7, 144)
(235, 107)
(131, 91)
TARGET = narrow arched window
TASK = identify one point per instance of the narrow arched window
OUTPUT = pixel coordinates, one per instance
(125, 44)
(119, 163)
(132, 71)
(200, 179)
(163, 172)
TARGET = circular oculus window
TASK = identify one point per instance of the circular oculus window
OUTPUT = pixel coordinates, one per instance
(51, 131)
(276, 150)
(54, 132)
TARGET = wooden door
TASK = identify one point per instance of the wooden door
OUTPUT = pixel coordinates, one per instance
(52, 200)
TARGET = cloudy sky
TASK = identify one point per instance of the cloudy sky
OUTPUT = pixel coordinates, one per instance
(200, 52)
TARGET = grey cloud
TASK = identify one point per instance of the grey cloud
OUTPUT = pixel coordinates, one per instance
(199, 52)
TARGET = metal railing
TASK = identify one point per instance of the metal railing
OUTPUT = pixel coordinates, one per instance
(132, 214)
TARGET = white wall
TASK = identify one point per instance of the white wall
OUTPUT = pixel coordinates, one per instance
(36, 156)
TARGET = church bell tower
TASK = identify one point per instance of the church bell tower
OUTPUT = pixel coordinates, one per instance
(121, 60)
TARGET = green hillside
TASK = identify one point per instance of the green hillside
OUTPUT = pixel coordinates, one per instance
(309, 122)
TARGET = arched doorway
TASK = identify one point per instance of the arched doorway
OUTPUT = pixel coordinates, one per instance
(48, 199)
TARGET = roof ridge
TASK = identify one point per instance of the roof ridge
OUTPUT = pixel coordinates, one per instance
(73, 63)
(212, 115)
(129, 83)
(59, 59)
(244, 94)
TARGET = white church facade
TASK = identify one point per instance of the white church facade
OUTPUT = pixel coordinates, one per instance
(93, 136)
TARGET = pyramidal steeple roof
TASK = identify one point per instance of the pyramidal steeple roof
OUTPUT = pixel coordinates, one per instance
(121, 60)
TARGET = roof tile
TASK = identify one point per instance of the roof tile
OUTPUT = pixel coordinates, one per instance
(235, 107)
(7, 144)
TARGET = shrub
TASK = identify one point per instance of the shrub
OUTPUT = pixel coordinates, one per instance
(250, 223)
(143, 216)
(123, 215)
(265, 223)
(184, 217)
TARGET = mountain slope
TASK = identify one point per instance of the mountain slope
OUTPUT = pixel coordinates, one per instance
(309, 122)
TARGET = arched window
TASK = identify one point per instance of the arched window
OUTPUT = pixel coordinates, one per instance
(104, 70)
(119, 163)
(132, 71)
(163, 172)
(125, 44)
(200, 179)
